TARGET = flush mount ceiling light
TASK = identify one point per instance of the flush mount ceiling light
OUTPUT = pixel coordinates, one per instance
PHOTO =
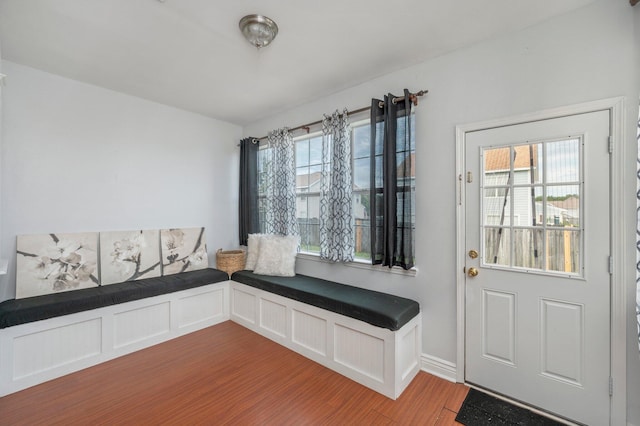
(258, 30)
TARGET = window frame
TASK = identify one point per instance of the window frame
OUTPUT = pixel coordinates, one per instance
(358, 262)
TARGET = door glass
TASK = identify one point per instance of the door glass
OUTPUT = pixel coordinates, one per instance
(527, 248)
(531, 206)
(496, 245)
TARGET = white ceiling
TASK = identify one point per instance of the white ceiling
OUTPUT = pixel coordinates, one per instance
(190, 53)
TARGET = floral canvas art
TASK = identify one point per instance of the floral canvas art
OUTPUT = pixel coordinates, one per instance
(183, 249)
(53, 263)
(129, 256)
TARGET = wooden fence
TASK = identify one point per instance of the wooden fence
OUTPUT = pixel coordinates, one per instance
(560, 251)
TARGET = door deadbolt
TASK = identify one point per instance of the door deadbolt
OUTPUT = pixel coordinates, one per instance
(472, 272)
(473, 254)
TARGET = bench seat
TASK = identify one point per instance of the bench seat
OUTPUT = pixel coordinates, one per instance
(376, 308)
(21, 311)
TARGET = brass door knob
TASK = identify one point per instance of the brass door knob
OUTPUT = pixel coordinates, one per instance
(473, 254)
(472, 272)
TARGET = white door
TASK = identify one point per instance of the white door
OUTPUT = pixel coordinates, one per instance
(537, 294)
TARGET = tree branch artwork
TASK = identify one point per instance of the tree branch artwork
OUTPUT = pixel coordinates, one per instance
(54, 263)
(129, 255)
(183, 249)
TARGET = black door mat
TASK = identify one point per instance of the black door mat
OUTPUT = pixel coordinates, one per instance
(479, 409)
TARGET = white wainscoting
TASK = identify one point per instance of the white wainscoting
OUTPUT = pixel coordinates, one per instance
(383, 360)
(35, 352)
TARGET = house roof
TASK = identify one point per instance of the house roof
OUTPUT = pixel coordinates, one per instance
(571, 203)
(307, 180)
(497, 159)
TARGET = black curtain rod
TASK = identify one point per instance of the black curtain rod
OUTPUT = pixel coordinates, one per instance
(413, 97)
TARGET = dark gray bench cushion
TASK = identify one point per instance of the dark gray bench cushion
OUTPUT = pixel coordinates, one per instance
(379, 309)
(21, 311)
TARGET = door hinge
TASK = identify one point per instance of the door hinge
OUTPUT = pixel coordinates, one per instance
(610, 144)
(610, 386)
(610, 265)
(469, 177)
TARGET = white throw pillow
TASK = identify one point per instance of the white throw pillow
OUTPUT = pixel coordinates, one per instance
(277, 256)
(253, 246)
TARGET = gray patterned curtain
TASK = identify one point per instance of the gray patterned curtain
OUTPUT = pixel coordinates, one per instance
(336, 190)
(281, 185)
(392, 207)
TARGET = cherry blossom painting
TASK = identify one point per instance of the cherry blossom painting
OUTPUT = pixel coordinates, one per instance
(129, 255)
(53, 263)
(183, 249)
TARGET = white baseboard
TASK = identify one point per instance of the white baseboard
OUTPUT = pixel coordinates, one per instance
(438, 367)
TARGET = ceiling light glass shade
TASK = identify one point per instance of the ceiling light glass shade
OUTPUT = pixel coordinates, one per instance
(258, 29)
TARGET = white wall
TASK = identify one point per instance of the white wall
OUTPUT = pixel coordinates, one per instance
(633, 362)
(583, 56)
(76, 158)
(2, 258)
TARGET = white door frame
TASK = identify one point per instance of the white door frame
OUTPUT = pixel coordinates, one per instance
(615, 106)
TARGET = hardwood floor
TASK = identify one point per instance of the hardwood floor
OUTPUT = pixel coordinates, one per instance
(225, 374)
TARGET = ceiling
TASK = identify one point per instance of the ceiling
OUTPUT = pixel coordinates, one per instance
(190, 53)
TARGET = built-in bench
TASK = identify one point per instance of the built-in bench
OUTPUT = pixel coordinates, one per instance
(20, 311)
(48, 336)
(371, 337)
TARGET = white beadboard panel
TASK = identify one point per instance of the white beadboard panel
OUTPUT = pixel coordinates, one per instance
(498, 326)
(372, 356)
(273, 317)
(562, 341)
(48, 349)
(408, 361)
(309, 331)
(243, 305)
(201, 307)
(359, 351)
(72, 342)
(141, 324)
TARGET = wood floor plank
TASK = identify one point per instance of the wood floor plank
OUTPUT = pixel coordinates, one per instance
(225, 374)
(447, 418)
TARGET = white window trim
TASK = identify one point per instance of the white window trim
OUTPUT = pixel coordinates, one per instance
(361, 264)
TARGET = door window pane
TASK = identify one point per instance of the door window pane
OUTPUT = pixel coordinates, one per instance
(496, 207)
(563, 250)
(496, 246)
(527, 164)
(563, 161)
(563, 205)
(497, 167)
(528, 248)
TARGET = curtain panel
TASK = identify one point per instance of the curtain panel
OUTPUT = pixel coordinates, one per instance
(336, 190)
(280, 181)
(391, 204)
(248, 208)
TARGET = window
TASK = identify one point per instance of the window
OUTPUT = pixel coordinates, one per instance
(531, 206)
(308, 166)
(308, 173)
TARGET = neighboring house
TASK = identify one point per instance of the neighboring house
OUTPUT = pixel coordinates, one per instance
(526, 206)
(496, 172)
(308, 206)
